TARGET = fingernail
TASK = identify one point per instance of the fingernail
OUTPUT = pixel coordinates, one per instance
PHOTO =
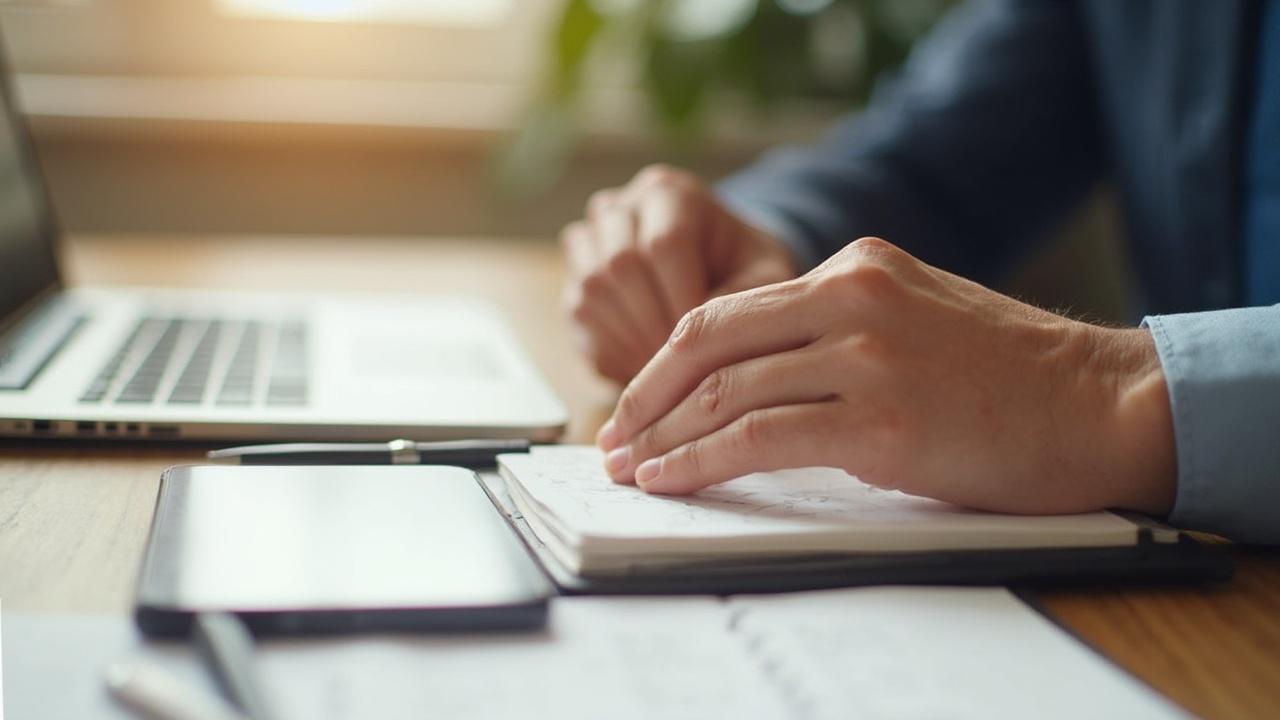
(648, 471)
(616, 461)
(608, 438)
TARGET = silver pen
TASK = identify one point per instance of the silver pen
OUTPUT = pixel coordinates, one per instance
(227, 648)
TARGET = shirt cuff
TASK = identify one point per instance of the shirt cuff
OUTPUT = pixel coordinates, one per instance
(1222, 369)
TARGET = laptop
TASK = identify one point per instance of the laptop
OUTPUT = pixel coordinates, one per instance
(147, 363)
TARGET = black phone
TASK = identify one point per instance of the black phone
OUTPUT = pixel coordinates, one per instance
(328, 549)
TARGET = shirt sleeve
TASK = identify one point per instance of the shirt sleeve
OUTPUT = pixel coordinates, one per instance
(1223, 372)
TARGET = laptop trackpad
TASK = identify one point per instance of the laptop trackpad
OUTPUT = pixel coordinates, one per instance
(383, 358)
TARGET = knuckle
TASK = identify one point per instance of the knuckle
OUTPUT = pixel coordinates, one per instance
(865, 346)
(601, 201)
(751, 432)
(627, 410)
(713, 390)
(662, 174)
(874, 246)
(690, 329)
(649, 441)
(695, 458)
(866, 280)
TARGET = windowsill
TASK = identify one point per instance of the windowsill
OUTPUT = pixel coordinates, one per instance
(612, 116)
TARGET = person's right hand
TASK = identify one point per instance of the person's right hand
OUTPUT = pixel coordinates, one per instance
(649, 252)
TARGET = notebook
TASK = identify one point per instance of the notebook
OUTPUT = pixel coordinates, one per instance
(790, 526)
(887, 652)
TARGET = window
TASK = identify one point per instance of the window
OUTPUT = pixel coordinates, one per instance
(424, 12)
(485, 41)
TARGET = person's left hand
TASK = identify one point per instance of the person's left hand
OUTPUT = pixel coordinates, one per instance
(909, 378)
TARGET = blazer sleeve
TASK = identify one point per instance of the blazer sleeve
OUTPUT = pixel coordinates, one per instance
(1223, 372)
(988, 136)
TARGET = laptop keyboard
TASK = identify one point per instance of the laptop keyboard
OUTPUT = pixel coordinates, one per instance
(192, 361)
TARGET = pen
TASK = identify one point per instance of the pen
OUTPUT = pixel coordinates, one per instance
(466, 453)
(226, 647)
(154, 691)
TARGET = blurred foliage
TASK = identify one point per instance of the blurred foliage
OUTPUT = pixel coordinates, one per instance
(687, 53)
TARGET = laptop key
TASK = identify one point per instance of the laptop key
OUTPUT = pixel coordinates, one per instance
(190, 387)
(142, 386)
(237, 385)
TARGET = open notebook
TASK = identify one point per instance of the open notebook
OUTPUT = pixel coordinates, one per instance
(588, 527)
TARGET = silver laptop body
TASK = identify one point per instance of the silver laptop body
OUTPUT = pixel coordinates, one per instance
(135, 363)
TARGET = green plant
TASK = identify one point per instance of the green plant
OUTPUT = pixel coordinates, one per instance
(687, 52)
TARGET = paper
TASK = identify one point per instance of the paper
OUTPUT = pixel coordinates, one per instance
(811, 509)
(959, 653)
(909, 653)
(620, 659)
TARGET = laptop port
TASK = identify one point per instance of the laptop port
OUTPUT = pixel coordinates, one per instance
(42, 426)
(111, 427)
(163, 431)
(133, 428)
(86, 427)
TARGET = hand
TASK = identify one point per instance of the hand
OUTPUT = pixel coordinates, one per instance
(910, 378)
(649, 252)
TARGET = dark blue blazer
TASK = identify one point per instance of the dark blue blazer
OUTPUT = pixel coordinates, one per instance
(1010, 112)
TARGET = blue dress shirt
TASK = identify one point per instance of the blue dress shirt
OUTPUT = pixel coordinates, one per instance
(1007, 115)
(1223, 368)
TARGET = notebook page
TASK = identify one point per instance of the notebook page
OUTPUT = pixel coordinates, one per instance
(893, 652)
(617, 658)
(811, 509)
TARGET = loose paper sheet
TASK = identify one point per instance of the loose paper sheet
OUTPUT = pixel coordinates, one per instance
(869, 653)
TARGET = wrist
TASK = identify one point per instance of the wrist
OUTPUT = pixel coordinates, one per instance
(1137, 425)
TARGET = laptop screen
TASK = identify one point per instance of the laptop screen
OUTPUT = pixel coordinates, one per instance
(27, 264)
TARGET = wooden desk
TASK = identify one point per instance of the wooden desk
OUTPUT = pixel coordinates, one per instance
(73, 519)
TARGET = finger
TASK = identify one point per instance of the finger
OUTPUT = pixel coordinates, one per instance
(727, 330)
(591, 299)
(608, 356)
(668, 224)
(595, 309)
(789, 378)
(622, 266)
(762, 440)
(579, 249)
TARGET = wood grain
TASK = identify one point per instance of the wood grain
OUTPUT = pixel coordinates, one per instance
(73, 519)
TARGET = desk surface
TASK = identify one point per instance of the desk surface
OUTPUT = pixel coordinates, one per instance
(73, 519)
